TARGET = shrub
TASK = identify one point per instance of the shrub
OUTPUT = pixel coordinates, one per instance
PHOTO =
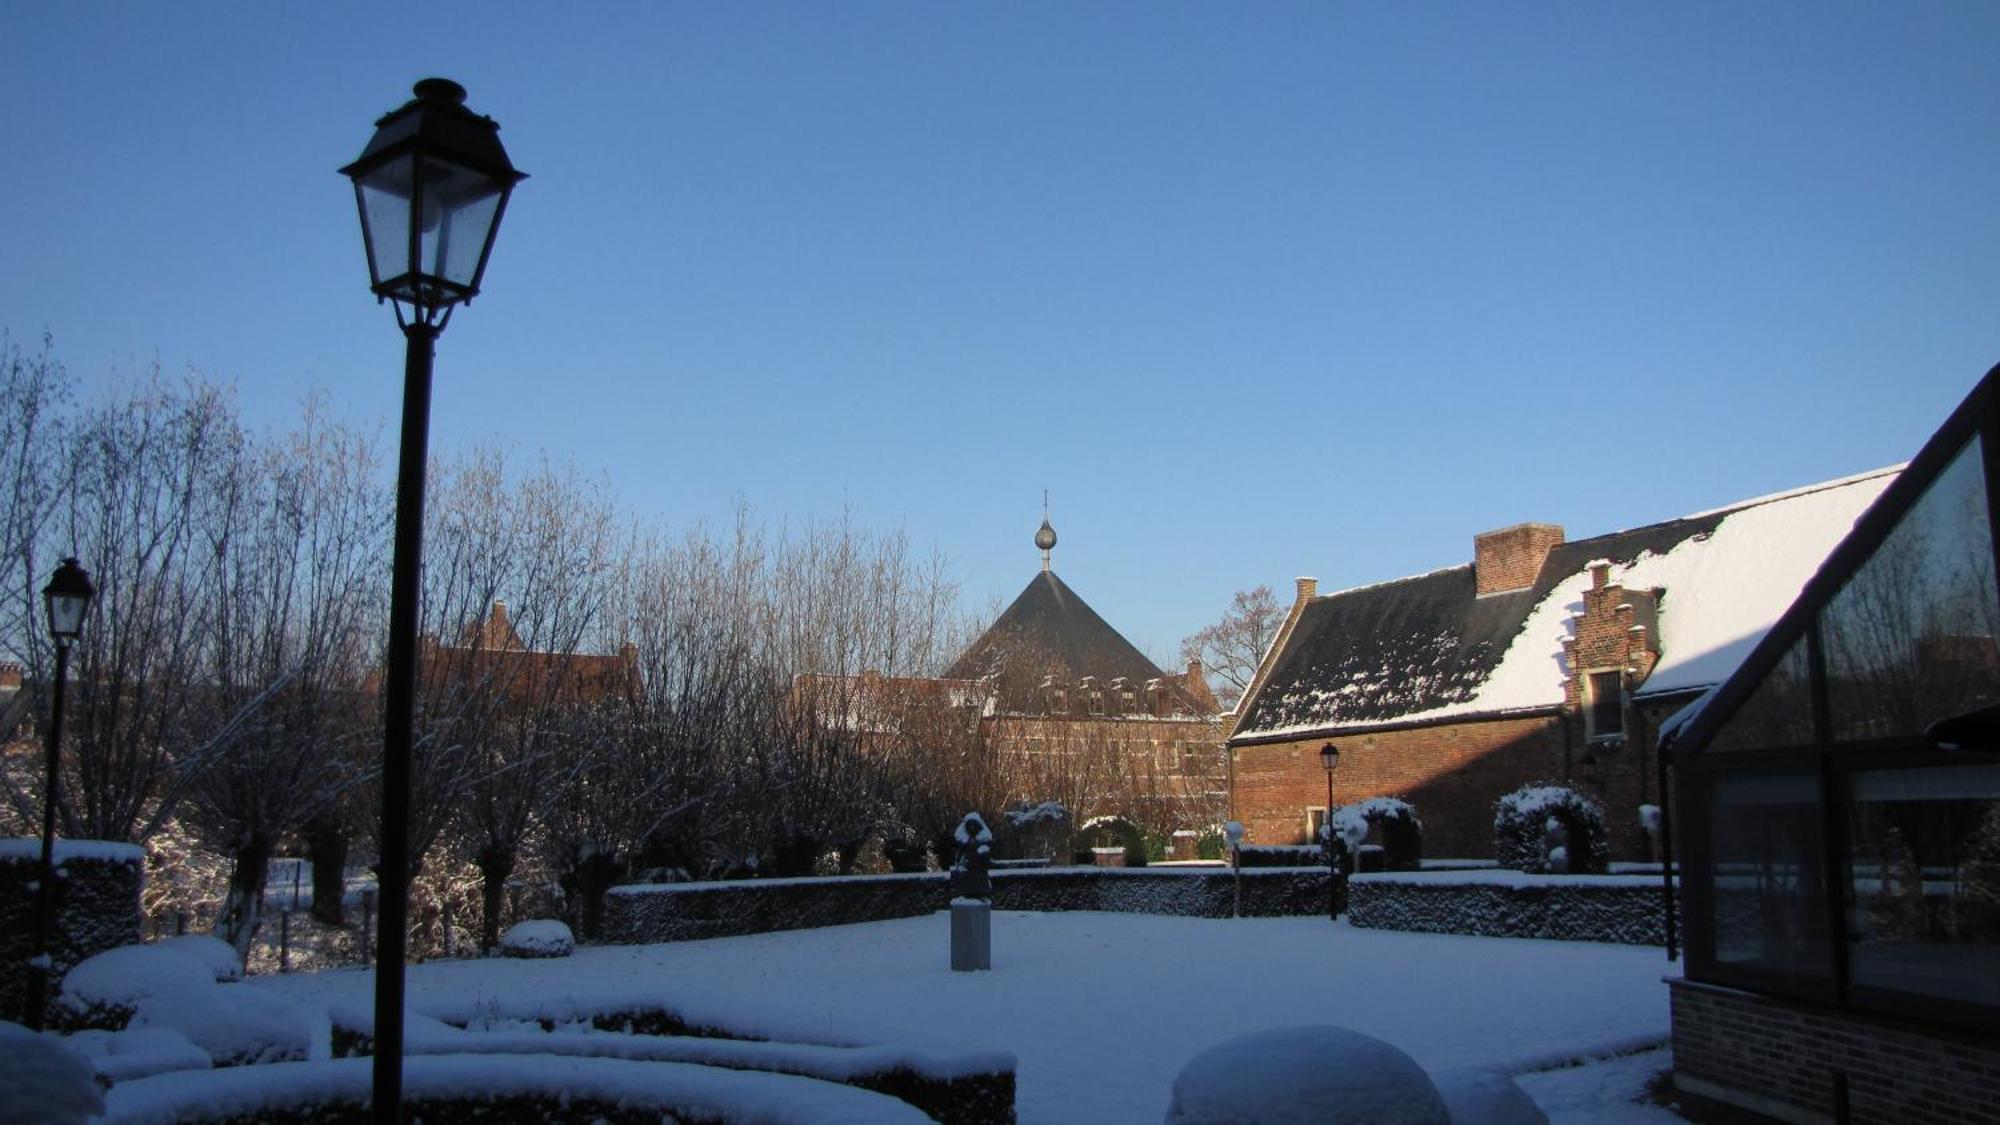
(538, 938)
(212, 951)
(1283, 855)
(104, 991)
(1113, 832)
(1402, 832)
(1547, 828)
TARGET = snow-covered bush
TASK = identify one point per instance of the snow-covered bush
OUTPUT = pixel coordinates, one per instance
(1320, 1074)
(120, 1056)
(1488, 1097)
(1402, 832)
(541, 937)
(237, 1026)
(1038, 831)
(45, 1081)
(1113, 832)
(218, 955)
(104, 991)
(1282, 855)
(1550, 829)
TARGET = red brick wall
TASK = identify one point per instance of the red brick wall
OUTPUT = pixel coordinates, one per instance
(1452, 773)
(1754, 1051)
(1511, 558)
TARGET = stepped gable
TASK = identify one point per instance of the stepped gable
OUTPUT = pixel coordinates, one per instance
(1049, 631)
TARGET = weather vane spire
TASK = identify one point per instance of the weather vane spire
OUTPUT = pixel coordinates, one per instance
(1045, 536)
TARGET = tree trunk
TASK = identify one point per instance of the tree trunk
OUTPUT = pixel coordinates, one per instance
(326, 847)
(591, 877)
(239, 919)
(496, 863)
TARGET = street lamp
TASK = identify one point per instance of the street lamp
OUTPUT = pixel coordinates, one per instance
(67, 597)
(431, 186)
(1233, 832)
(1329, 757)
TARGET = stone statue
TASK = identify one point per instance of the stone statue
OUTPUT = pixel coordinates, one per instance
(975, 855)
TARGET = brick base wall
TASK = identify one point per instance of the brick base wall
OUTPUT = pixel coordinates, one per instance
(1780, 1058)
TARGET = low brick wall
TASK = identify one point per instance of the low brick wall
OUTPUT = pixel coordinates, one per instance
(1780, 1058)
(97, 908)
(1495, 903)
(687, 911)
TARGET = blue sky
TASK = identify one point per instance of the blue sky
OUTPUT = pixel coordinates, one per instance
(1255, 291)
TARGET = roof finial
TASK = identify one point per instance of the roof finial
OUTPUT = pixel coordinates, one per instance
(1045, 536)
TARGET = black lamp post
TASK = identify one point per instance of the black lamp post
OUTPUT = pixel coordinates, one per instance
(1329, 758)
(432, 186)
(67, 597)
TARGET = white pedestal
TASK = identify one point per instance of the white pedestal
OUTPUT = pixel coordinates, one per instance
(971, 935)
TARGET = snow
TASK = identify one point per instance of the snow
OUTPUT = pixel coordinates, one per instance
(542, 937)
(44, 1081)
(734, 1095)
(234, 1024)
(1487, 1097)
(1102, 1010)
(218, 955)
(123, 977)
(30, 848)
(1314, 1075)
(121, 1055)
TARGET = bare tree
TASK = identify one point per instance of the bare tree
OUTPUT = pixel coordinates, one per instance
(1230, 649)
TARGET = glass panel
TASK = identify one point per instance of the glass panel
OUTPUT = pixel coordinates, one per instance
(1770, 886)
(1778, 714)
(385, 218)
(1924, 914)
(459, 208)
(1914, 636)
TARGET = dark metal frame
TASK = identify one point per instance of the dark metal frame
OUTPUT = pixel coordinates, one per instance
(1833, 763)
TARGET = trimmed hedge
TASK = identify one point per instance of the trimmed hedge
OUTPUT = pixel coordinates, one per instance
(97, 907)
(637, 915)
(1613, 908)
(1523, 823)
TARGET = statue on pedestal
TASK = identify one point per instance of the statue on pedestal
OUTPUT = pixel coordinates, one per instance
(975, 855)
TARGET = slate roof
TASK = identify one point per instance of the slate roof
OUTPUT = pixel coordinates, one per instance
(1427, 648)
(1049, 630)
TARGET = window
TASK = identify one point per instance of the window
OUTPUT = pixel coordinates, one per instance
(1604, 705)
(1767, 907)
(1923, 876)
(1315, 818)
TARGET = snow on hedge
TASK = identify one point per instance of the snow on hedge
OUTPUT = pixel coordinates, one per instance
(1487, 1097)
(110, 986)
(104, 851)
(220, 956)
(1315, 1075)
(119, 1056)
(541, 937)
(692, 1091)
(44, 1081)
(235, 1025)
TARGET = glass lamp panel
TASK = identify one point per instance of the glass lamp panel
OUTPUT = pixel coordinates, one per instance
(66, 616)
(460, 206)
(384, 197)
(1914, 636)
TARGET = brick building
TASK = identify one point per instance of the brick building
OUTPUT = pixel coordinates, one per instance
(1543, 659)
(1839, 822)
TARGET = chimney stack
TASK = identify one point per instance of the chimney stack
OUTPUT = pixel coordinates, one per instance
(1511, 558)
(1308, 589)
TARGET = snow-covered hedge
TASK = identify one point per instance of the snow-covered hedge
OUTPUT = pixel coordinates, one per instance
(1547, 828)
(164, 987)
(219, 956)
(500, 1088)
(1282, 855)
(98, 908)
(1322, 1073)
(1402, 832)
(1500, 903)
(44, 1081)
(105, 990)
(541, 937)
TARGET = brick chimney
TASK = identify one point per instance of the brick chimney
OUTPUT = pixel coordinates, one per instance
(1308, 589)
(1511, 558)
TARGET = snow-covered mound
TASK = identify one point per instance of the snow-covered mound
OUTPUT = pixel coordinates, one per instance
(104, 990)
(539, 938)
(235, 1025)
(1322, 1075)
(212, 951)
(44, 1081)
(119, 1056)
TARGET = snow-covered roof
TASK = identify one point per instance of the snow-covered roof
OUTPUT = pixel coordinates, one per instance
(1429, 649)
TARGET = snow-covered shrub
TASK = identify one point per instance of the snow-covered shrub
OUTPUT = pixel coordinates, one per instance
(1321, 1074)
(1488, 1097)
(1402, 832)
(120, 1056)
(1113, 832)
(1039, 831)
(236, 1026)
(104, 991)
(45, 1081)
(218, 955)
(541, 937)
(1282, 855)
(1550, 829)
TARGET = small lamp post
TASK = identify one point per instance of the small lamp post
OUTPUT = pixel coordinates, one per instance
(67, 597)
(431, 186)
(1233, 832)
(1329, 759)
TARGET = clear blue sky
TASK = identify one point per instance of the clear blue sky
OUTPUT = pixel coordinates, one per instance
(1255, 290)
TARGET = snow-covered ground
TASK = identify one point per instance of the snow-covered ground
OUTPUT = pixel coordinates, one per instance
(1102, 1010)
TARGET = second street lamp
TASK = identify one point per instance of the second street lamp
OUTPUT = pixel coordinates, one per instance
(431, 186)
(67, 597)
(1329, 757)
